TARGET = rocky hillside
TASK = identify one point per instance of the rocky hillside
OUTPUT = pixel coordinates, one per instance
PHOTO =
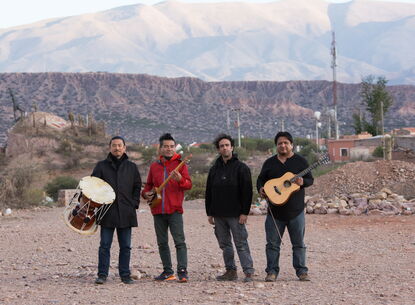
(141, 107)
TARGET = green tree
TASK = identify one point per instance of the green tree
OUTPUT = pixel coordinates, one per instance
(71, 118)
(307, 148)
(373, 96)
(357, 123)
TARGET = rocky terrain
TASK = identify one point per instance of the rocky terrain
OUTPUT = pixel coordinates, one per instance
(141, 107)
(363, 177)
(352, 260)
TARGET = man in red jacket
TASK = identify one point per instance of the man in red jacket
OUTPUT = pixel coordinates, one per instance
(169, 214)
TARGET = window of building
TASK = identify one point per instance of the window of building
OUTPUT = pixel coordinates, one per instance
(344, 152)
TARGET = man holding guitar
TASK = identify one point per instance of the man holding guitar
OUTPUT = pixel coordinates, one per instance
(169, 212)
(289, 213)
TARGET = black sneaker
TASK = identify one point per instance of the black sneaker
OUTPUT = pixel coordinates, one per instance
(229, 275)
(127, 280)
(165, 276)
(182, 276)
(100, 280)
(304, 277)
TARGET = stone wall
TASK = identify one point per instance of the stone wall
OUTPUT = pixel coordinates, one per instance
(65, 196)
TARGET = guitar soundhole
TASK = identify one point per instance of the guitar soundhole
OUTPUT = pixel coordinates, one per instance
(287, 183)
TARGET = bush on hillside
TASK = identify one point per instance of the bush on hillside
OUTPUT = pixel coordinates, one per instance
(59, 183)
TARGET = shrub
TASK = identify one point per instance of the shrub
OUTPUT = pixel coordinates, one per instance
(59, 183)
(198, 188)
(241, 152)
(378, 152)
(199, 164)
(33, 196)
(149, 154)
(14, 184)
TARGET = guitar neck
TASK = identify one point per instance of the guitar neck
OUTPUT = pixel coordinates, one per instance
(177, 168)
(169, 177)
(306, 171)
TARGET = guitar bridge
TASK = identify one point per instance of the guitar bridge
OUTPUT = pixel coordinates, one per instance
(277, 190)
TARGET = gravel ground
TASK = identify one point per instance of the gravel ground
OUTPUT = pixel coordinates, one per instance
(352, 260)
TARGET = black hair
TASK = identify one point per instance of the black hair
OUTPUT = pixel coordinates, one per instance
(283, 134)
(165, 137)
(221, 137)
(117, 138)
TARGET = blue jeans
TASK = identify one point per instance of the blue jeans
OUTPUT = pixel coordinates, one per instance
(296, 230)
(124, 241)
(162, 222)
(224, 226)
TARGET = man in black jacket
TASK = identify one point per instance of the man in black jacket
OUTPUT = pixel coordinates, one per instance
(290, 214)
(124, 178)
(228, 201)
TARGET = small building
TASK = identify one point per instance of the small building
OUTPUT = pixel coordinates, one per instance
(404, 131)
(361, 146)
(346, 148)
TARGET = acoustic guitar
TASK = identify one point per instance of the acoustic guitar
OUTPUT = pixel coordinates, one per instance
(279, 190)
(156, 199)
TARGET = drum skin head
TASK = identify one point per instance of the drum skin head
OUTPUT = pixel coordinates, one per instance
(97, 190)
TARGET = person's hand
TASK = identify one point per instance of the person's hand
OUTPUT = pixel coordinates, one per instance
(211, 220)
(299, 181)
(243, 219)
(176, 175)
(148, 195)
(262, 192)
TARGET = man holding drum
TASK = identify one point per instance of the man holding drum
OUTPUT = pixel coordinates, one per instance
(124, 178)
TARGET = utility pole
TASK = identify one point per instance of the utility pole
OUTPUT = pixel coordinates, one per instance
(239, 126)
(317, 115)
(333, 66)
(282, 125)
(383, 129)
(228, 121)
(328, 124)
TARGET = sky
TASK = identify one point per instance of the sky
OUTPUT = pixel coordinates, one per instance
(19, 12)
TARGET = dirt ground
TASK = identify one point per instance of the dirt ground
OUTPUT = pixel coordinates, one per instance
(352, 260)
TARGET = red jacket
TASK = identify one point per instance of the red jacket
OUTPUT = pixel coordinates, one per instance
(173, 192)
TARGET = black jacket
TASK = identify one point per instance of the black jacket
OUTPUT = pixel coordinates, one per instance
(125, 179)
(228, 189)
(274, 168)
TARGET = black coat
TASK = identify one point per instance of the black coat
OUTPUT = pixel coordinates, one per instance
(228, 189)
(125, 179)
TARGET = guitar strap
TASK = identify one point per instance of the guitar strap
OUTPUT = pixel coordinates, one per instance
(275, 223)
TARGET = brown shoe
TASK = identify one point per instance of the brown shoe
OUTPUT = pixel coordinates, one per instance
(249, 277)
(271, 277)
(229, 275)
(304, 277)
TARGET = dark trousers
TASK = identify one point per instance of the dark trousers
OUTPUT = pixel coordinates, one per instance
(162, 222)
(296, 230)
(224, 227)
(104, 252)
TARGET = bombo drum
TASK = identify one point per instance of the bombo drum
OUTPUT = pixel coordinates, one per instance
(89, 205)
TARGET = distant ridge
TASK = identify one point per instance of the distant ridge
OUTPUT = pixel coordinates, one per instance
(141, 107)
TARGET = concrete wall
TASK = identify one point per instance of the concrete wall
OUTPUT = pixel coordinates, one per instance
(406, 142)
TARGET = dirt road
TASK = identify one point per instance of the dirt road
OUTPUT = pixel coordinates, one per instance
(352, 260)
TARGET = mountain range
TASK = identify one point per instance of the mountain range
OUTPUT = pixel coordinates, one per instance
(275, 41)
(142, 107)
